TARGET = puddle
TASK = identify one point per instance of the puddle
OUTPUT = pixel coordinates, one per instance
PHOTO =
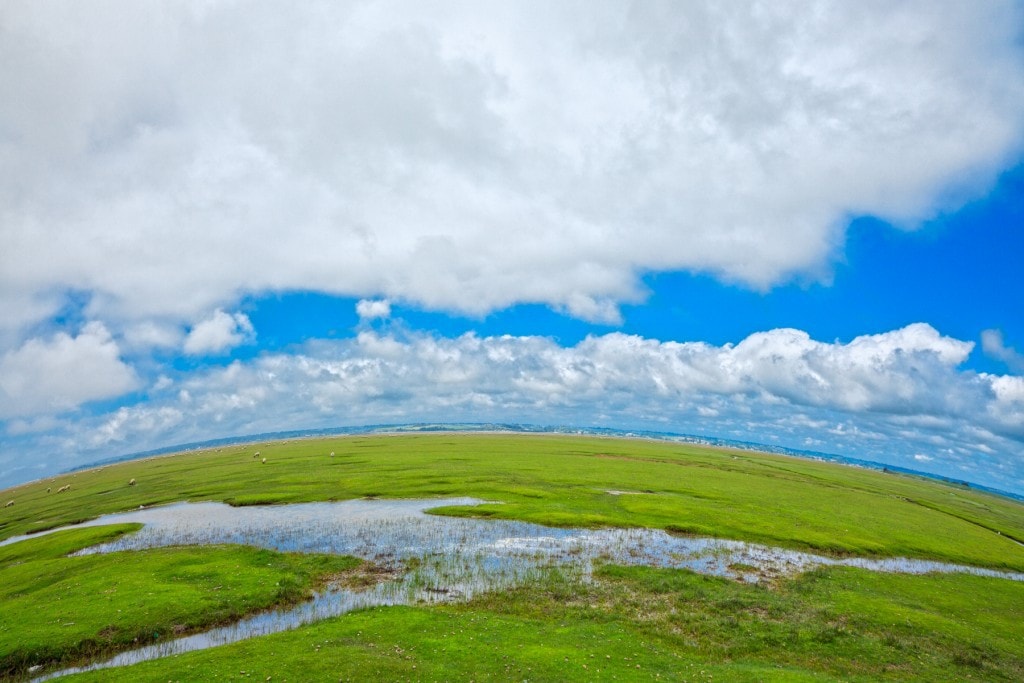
(453, 558)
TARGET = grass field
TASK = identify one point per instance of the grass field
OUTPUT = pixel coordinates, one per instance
(59, 609)
(647, 624)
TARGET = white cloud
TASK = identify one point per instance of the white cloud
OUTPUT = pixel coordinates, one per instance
(1007, 410)
(139, 419)
(368, 309)
(897, 375)
(887, 397)
(993, 345)
(469, 156)
(1007, 388)
(149, 334)
(218, 333)
(31, 425)
(46, 376)
(892, 372)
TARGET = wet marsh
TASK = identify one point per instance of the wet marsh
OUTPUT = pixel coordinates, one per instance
(541, 586)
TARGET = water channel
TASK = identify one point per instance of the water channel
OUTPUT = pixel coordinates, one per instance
(451, 558)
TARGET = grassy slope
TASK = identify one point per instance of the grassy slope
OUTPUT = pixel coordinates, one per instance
(564, 481)
(60, 609)
(650, 624)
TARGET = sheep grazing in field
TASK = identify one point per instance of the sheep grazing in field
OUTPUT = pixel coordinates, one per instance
(264, 461)
(256, 454)
(9, 504)
(62, 489)
(131, 482)
(47, 489)
(332, 454)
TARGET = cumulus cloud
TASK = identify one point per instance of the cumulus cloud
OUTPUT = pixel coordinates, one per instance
(468, 156)
(368, 309)
(1007, 410)
(892, 397)
(218, 333)
(148, 334)
(993, 345)
(46, 376)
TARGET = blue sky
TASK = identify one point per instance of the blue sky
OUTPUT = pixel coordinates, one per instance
(799, 228)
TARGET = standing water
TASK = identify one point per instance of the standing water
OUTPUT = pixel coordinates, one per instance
(451, 558)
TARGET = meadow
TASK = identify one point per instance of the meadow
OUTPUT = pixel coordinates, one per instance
(631, 623)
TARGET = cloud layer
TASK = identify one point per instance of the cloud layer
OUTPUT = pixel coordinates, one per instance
(993, 345)
(58, 374)
(897, 396)
(158, 167)
(469, 156)
(218, 333)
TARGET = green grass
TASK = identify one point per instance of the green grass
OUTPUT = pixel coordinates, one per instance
(836, 624)
(59, 609)
(561, 480)
(651, 624)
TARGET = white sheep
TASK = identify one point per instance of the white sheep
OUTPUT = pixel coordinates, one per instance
(131, 482)
(332, 454)
(264, 461)
(9, 504)
(62, 489)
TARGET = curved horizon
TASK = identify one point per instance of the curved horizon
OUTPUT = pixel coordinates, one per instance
(512, 428)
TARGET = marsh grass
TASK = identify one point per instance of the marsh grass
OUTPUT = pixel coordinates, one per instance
(59, 610)
(564, 481)
(436, 559)
(641, 623)
(827, 624)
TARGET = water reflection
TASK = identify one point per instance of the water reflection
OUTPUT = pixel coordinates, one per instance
(438, 558)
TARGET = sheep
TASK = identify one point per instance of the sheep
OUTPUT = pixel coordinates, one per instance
(264, 461)
(47, 489)
(131, 482)
(62, 489)
(256, 454)
(9, 504)
(332, 454)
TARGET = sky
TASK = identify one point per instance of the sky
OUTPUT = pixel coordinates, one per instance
(799, 224)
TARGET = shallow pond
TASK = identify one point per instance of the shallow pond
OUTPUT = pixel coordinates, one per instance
(450, 558)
